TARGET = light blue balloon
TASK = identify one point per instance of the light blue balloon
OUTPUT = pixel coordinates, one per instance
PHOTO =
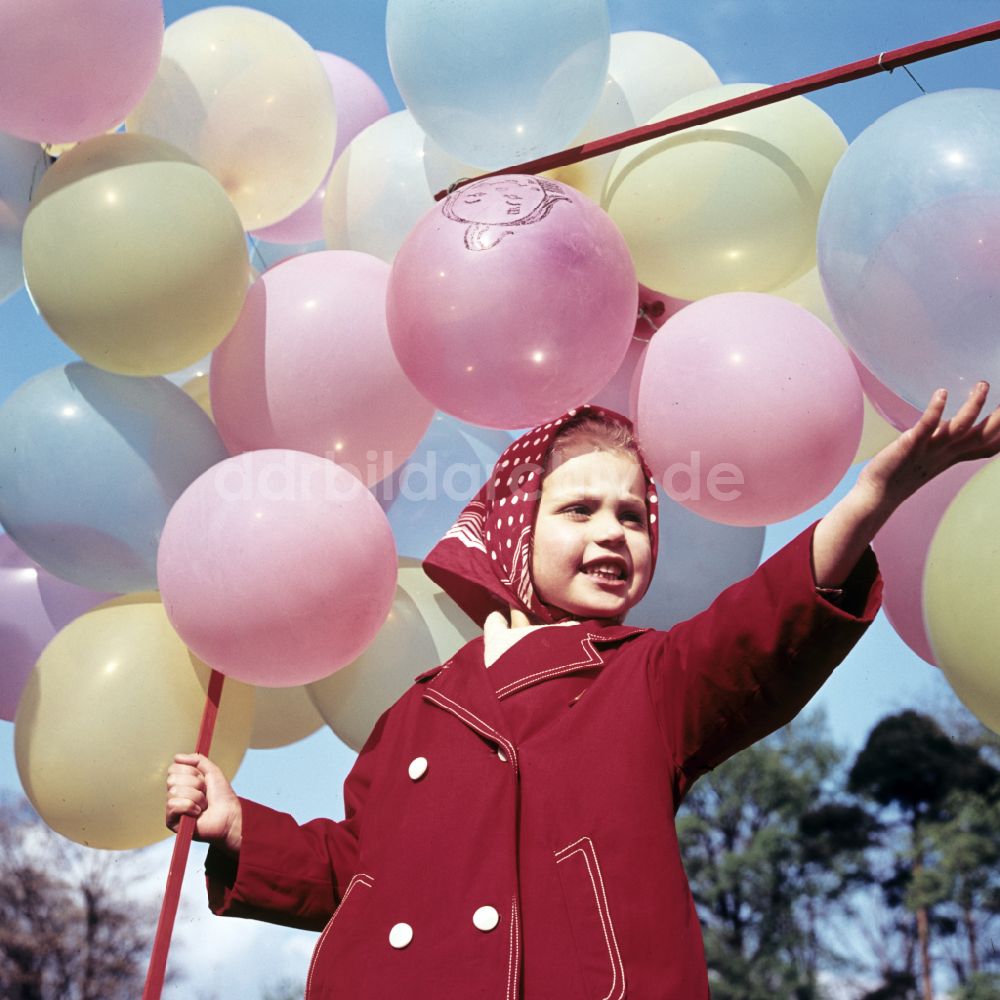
(908, 241)
(425, 495)
(697, 560)
(90, 464)
(499, 82)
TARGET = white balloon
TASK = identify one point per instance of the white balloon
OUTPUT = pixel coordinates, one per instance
(383, 183)
(22, 164)
(424, 628)
(654, 70)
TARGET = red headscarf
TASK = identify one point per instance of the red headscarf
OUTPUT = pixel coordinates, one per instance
(484, 560)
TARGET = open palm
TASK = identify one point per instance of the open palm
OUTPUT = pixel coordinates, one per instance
(932, 445)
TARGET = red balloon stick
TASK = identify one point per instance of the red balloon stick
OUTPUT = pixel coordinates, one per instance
(178, 860)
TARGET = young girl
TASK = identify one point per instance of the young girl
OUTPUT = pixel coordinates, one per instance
(509, 825)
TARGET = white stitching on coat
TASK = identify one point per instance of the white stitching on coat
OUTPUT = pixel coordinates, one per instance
(607, 925)
(594, 659)
(517, 942)
(510, 958)
(359, 878)
(489, 732)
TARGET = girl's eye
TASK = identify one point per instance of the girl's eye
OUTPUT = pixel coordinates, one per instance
(577, 509)
(635, 517)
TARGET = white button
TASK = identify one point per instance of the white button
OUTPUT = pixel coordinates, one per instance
(400, 935)
(418, 768)
(501, 755)
(486, 918)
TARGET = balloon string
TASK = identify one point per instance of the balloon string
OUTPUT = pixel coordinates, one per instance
(883, 62)
(914, 79)
(178, 860)
(256, 250)
(906, 69)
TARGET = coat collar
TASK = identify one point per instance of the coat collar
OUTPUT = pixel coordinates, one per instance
(596, 631)
(462, 687)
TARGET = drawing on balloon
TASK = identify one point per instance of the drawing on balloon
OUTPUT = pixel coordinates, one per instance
(493, 208)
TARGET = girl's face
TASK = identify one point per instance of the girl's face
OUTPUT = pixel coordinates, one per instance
(591, 554)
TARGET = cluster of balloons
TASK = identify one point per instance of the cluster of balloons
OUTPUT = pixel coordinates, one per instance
(361, 389)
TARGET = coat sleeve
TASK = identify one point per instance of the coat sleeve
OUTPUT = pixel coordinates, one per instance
(751, 661)
(288, 873)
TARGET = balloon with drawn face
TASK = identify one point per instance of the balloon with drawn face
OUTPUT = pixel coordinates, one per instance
(512, 301)
(494, 207)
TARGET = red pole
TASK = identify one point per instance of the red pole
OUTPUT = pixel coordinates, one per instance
(883, 62)
(178, 860)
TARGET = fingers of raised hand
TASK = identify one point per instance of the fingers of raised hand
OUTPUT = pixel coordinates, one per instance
(984, 440)
(991, 427)
(930, 420)
(968, 413)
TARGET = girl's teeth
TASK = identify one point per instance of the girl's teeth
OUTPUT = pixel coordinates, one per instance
(603, 574)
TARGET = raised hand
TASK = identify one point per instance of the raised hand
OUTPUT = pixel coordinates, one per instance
(197, 787)
(931, 446)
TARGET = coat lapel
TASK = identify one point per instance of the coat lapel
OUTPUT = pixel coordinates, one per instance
(462, 688)
(569, 650)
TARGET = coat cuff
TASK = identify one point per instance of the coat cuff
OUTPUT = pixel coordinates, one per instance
(256, 884)
(860, 595)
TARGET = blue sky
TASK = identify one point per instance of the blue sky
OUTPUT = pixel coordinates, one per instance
(762, 41)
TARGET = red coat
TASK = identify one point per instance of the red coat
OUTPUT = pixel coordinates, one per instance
(508, 835)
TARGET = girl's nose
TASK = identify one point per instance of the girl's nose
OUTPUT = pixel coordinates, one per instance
(607, 527)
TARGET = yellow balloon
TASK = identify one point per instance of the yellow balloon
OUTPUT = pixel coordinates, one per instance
(807, 291)
(450, 627)
(962, 594)
(728, 206)
(112, 698)
(611, 116)
(197, 388)
(876, 434)
(423, 629)
(282, 716)
(134, 255)
(249, 100)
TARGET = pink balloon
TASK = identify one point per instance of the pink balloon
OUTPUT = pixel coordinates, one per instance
(887, 404)
(359, 103)
(71, 70)
(34, 605)
(618, 394)
(633, 388)
(277, 567)
(309, 366)
(749, 408)
(511, 301)
(621, 394)
(901, 546)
